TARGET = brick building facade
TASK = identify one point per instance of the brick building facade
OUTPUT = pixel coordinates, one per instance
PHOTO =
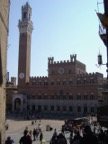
(68, 90)
(4, 19)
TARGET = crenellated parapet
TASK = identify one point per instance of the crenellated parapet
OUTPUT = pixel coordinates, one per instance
(38, 78)
(39, 81)
(13, 78)
(84, 75)
(50, 60)
(72, 59)
(13, 81)
(61, 62)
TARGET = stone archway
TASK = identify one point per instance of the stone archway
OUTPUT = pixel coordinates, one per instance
(17, 105)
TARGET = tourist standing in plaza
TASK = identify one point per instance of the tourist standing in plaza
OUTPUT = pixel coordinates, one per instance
(25, 139)
(9, 141)
(42, 140)
(34, 134)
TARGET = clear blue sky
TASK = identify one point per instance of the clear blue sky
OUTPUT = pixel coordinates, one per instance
(61, 28)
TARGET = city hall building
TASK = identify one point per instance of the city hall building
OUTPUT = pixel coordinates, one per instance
(67, 90)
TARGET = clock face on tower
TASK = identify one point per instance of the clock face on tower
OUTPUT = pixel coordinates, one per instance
(21, 75)
(61, 70)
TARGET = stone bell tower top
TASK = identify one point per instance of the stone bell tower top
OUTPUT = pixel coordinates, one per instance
(26, 11)
(25, 24)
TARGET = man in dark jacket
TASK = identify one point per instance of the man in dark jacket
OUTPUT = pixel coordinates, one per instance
(25, 139)
(88, 136)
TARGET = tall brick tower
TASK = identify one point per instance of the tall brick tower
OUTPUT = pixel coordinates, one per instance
(25, 28)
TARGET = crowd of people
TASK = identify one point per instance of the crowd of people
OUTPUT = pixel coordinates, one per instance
(85, 133)
(29, 136)
(34, 135)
